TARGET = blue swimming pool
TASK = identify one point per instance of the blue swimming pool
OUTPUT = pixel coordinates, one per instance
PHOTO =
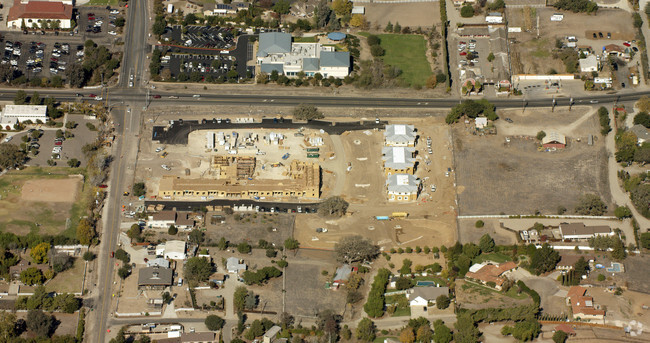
(425, 283)
(615, 268)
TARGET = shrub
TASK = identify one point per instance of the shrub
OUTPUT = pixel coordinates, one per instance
(467, 11)
(479, 224)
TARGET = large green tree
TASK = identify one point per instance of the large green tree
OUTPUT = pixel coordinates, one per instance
(198, 269)
(11, 156)
(366, 330)
(544, 259)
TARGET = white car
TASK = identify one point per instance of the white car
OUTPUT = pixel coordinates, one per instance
(433, 188)
(113, 33)
(99, 98)
(7, 139)
(114, 12)
(166, 167)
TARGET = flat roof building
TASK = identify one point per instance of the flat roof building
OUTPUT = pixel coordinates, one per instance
(13, 114)
(34, 13)
(398, 160)
(399, 135)
(588, 64)
(403, 187)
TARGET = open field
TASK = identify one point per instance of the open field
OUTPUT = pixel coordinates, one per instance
(471, 295)
(412, 15)
(532, 55)
(407, 52)
(489, 168)
(37, 200)
(68, 281)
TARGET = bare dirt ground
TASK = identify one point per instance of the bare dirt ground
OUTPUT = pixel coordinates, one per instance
(498, 177)
(272, 227)
(51, 190)
(472, 296)
(532, 55)
(412, 15)
(636, 272)
(431, 219)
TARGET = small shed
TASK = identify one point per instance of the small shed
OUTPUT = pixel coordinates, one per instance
(480, 122)
(554, 140)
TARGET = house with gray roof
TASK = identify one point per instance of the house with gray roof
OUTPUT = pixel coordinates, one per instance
(158, 262)
(403, 187)
(234, 265)
(277, 52)
(154, 278)
(399, 135)
(398, 160)
(642, 133)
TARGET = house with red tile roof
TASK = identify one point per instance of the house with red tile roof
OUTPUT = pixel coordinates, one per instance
(40, 14)
(487, 272)
(582, 306)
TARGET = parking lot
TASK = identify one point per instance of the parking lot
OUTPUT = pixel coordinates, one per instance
(208, 65)
(98, 22)
(213, 37)
(40, 59)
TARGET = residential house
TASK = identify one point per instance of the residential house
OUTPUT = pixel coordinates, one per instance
(172, 250)
(399, 135)
(489, 273)
(421, 298)
(403, 187)
(14, 271)
(189, 337)
(184, 221)
(38, 14)
(579, 231)
(398, 160)
(603, 82)
(589, 64)
(582, 306)
(566, 328)
(568, 261)
(218, 278)
(163, 219)
(271, 334)
(156, 278)
(235, 265)
(642, 133)
(554, 140)
(342, 275)
(480, 122)
(494, 18)
(158, 262)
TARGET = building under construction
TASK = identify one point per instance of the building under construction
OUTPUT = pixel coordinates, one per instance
(232, 167)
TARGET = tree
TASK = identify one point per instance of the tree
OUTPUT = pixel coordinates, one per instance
(541, 135)
(7, 326)
(62, 262)
(397, 28)
(467, 11)
(544, 259)
(560, 336)
(575, 6)
(196, 236)
(307, 112)
(35, 99)
(291, 244)
(441, 333)
(642, 118)
(486, 244)
(32, 276)
(355, 248)
(244, 248)
(39, 252)
(139, 189)
(358, 20)
(172, 230)
(89, 256)
(377, 51)
(123, 256)
(366, 330)
(328, 321)
(198, 269)
(239, 298)
(622, 212)
(403, 283)
(442, 302)
(334, 206)
(134, 232)
(407, 335)
(40, 323)
(282, 7)
(342, 7)
(466, 330)
(389, 27)
(20, 98)
(120, 22)
(591, 205)
(214, 322)
(618, 249)
(581, 267)
(526, 330)
(124, 272)
(11, 156)
(85, 231)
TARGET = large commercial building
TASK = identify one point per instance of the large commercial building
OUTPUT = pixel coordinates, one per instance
(13, 114)
(398, 160)
(303, 182)
(276, 52)
(40, 14)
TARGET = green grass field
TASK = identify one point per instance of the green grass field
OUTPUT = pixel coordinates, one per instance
(495, 257)
(112, 3)
(304, 39)
(407, 52)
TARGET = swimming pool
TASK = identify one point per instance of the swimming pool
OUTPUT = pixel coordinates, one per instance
(425, 283)
(615, 268)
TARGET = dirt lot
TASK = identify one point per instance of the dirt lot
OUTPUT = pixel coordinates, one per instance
(532, 56)
(473, 296)
(488, 167)
(411, 14)
(431, 219)
(636, 271)
(33, 200)
(272, 227)
(67, 324)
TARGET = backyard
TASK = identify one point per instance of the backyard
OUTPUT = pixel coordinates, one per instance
(408, 53)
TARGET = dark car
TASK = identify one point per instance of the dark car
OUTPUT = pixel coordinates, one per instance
(509, 120)
(156, 96)
(91, 95)
(595, 36)
(600, 34)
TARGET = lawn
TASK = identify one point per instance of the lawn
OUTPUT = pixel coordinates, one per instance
(438, 280)
(472, 287)
(304, 39)
(112, 3)
(494, 257)
(68, 281)
(380, 339)
(407, 52)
